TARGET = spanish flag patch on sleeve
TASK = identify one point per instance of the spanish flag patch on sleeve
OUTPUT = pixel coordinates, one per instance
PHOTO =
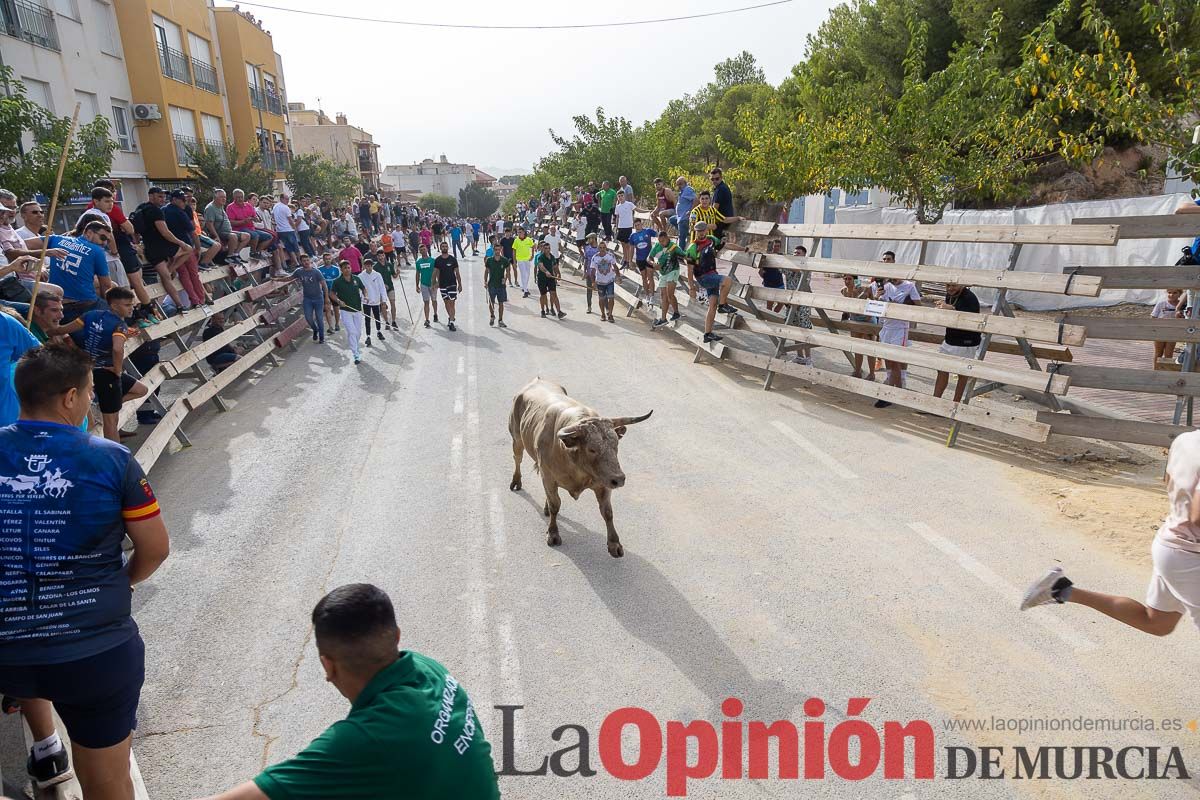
(144, 511)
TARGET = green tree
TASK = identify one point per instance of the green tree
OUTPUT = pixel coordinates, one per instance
(228, 169)
(314, 174)
(27, 170)
(477, 201)
(443, 204)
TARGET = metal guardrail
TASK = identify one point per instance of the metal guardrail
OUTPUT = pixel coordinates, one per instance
(257, 98)
(274, 105)
(32, 22)
(174, 64)
(184, 145)
(205, 76)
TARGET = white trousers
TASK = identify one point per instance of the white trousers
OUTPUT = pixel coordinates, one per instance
(523, 267)
(352, 322)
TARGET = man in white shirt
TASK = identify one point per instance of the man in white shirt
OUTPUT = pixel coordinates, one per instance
(625, 212)
(373, 297)
(553, 239)
(895, 331)
(285, 227)
(1175, 582)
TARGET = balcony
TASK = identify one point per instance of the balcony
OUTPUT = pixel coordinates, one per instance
(277, 160)
(274, 105)
(30, 21)
(174, 64)
(257, 99)
(206, 76)
(184, 145)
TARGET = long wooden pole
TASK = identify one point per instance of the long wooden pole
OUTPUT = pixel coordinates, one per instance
(62, 164)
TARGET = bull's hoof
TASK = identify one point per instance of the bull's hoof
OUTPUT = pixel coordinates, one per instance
(615, 550)
(515, 486)
(553, 539)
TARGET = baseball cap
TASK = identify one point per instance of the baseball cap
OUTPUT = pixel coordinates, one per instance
(178, 193)
(701, 226)
(156, 190)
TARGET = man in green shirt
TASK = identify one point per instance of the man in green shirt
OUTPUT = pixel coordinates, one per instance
(425, 283)
(495, 271)
(388, 271)
(701, 256)
(411, 732)
(606, 199)
(347, 296)
(666, 254)
(546, 270)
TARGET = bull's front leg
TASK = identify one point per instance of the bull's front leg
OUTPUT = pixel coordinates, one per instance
(518, 454)
(604, 498)
(553, 503)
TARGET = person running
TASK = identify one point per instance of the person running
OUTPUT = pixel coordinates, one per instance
(701, 256)
(348, 291)
(1175, 580)
(495, 270)
(388, 273)
(604, 268)
(374, 295)
(522, 248)
(314, 296)
(666, 255)
(424, 270)
(456, 235)
(102, 334)
(640, 242)
(447, 279)
(548, 273)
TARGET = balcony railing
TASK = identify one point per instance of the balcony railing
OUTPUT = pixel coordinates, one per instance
(185, 145)
(277, 160)
(256, 97)
(30, 21)
(206, 76)
(273, 104)
(174, 64)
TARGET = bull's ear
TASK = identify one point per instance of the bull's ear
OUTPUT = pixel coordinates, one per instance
(571, 436)
(620, 430)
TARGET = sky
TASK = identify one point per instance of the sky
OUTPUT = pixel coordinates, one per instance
(489, 97)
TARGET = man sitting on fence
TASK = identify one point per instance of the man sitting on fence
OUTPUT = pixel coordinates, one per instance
(220, 227)
(412, 731)
(961, 343)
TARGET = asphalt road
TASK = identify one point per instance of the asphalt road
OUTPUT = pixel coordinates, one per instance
(777, 547)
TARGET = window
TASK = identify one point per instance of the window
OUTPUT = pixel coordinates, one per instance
(110, 38)
(214, 131)
(183, 129)
(167, 33)
(39, 92)
(253, 76)
(199, 49)
(89, 108)
(66, 8)
(121, 127)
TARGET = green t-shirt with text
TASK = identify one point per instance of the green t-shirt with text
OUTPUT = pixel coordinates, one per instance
(497, 269)
(667, 257)
(411, 732)
(607, 200)
(388, 272)
(425, 271)
(349, 292)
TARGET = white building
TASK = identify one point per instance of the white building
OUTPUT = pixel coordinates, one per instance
(439, 177)
(69, 51)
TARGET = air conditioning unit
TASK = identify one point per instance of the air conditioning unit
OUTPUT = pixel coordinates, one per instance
(146, 111)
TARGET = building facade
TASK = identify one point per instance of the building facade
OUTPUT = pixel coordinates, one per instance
(70, 51)
(314, 132)
(438, 177)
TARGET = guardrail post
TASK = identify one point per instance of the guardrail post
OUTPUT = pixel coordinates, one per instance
(1189, 364)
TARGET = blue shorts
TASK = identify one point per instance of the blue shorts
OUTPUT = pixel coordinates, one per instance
(606, 290)
(498, 295)
(290, 241)
(257, 235)
(711, 281)
(97, 697)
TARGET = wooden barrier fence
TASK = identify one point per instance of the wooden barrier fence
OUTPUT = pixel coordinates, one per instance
(1044, 342)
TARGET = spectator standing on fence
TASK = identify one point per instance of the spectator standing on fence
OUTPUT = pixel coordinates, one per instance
(854, 291)
(961, 343)
(102, 334)
(163, 250)
(604, 276)
(685, 201)
(1166, 308)
(374, 295)
(666, 255)
(285, 228)
(412, 730)
(1175, 579)
(348, 291)
(447, 279)
(895, 331)
(606, 200)
(703, 274)
(84, 495)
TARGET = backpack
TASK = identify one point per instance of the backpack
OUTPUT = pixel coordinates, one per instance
(707, 261)
(138, 219)
(1190, 259)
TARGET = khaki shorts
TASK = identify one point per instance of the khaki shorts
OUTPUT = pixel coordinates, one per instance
(427, 293)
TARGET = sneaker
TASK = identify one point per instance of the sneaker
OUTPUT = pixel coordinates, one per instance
(658, 323)
(804, 361)
(451, 326)
(49, 769)
(368, 341)
(610, 318)
(337, 328)
(395, 327)
(711, 337)
(589, 309)
(427, 325)
(725, 308)
(1046, 590)
(381, 337)
(561, 314)
(358, 359)
(148, 416)
(525, 295)
(501, 324)
(882, 404)
(491, 321)
(314, 336)
(321, 340)
(543, 313)
(435, 319)
(675, 316)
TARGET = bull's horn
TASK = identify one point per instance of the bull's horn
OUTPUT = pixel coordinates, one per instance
(619, 422)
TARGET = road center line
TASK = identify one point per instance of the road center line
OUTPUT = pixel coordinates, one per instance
(829, 461)
(1010, 593)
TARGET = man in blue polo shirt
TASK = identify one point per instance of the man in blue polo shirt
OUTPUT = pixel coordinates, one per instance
(685, 201)
(66, 633)
(83, 268)
(1192, 208)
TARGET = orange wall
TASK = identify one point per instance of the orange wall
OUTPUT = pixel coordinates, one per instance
(243, 43)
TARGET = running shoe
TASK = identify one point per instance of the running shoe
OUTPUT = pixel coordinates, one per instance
(435, 319)
(561, 314)
(427, 325)
(675, 316)
(711, 337)
(368, 341)
(49, 769)
(803, 361)
(658, 323)
(491, 321)
(1046, 590)
(882, 404)
(451, 326)
(381, 337)
(725, 308)
(525, 295)
(543, 313)
(358, 359)
(314, 336)
(321, 340)
(501, 324)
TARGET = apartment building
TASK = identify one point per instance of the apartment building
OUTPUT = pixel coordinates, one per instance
(70, 51)
(439, 177)
(314, 132)
(254, 85)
